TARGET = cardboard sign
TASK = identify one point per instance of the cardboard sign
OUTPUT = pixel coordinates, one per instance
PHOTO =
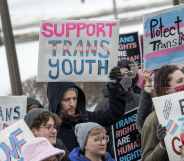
(12, 108)
(129, 47)
(126, 138)
(170, 113)
(12, 139)
(77, 50)
(164, 38)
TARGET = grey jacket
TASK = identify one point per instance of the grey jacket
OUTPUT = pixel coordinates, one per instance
(152, 151)
(144, 109)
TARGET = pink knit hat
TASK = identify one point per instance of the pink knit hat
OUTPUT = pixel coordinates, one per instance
(39, 149)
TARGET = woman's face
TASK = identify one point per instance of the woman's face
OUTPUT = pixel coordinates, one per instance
(176, 80)
(47, 130)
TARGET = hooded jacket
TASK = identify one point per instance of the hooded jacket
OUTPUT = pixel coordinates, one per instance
(105, 117)
(75, 155)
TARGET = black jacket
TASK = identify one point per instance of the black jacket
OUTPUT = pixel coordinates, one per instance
(132, 101)
(60, 145)
(105, 117)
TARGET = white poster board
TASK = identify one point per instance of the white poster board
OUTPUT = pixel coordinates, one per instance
(164, 38)
(170, 113)
(77, 50)
(12, 108)
(12, 139)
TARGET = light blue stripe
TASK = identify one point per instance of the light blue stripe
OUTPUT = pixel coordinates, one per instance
(174, 58)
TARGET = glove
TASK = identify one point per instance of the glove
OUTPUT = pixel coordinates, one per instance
(115, 74)
(161, 133)
(114, 89)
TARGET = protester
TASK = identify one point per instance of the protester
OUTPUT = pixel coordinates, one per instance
(40, 149)
(44, 124)
(145, 103)
(92, 141)
(137, 75)
(168, 79)
(68, 101)
(123, 74)
(33, 103)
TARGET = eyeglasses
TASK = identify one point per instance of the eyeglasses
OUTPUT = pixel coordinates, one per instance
(128, 73)
(101, 139)
(49, 127)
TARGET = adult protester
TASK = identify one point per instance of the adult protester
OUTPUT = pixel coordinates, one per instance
(68, 101)
(168, 79)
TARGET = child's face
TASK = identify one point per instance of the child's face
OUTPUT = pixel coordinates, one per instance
(97, 142)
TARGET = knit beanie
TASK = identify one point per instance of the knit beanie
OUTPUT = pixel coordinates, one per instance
(82, 130)
(32, 101)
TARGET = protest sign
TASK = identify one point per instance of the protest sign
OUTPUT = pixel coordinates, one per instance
(164, 38)
(83, 51)
(12, 108)
(126, 138)
(129, 47)
(12, 139)
(170, 113)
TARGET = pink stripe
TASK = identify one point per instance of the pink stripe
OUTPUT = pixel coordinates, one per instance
(163, 52)
(148, 34)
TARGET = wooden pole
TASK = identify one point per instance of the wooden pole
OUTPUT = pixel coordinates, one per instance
(9, 43)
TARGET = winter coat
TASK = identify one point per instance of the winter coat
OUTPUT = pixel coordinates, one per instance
(152, 150)
(60, 145)
(144, 109)
(105, 117)
(75, 155)
(132, 102)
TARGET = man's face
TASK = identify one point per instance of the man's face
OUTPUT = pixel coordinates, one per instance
(69, 103)
(124, 71)
(47, 130)
(127, 73)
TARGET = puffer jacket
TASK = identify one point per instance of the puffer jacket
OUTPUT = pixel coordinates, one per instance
(75, 155)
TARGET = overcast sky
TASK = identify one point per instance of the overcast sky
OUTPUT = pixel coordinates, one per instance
(26, 11)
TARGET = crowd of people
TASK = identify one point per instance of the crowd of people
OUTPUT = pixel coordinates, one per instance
(66, 131)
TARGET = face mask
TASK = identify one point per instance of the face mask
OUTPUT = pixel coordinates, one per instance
(176, 89)
(179, 88)
(126, 83)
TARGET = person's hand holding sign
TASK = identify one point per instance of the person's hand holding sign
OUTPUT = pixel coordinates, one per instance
(148, 82)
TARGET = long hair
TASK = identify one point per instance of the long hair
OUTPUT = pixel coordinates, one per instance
(162, 79)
